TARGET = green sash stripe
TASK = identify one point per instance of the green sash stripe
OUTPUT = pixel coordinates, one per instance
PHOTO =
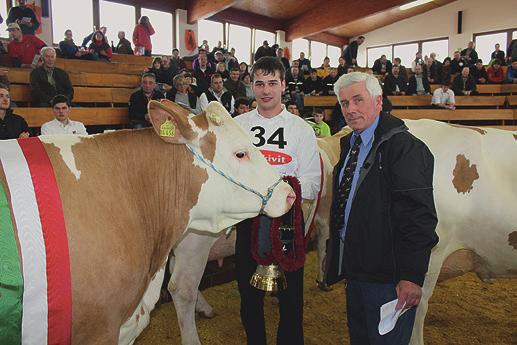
(11, 281)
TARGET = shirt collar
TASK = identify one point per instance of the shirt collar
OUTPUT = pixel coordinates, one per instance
(368, 134)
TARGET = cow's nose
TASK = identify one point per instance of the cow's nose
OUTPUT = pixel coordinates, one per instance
(291, 197)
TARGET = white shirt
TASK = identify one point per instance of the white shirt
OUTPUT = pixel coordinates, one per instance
(440, 97)
(289, 144)
(57, 127)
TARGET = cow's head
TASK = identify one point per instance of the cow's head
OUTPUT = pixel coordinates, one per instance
(218, 139)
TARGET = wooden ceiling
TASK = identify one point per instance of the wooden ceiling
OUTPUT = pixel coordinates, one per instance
(329, 21)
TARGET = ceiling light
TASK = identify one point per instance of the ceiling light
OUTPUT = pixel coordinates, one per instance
(413, 4)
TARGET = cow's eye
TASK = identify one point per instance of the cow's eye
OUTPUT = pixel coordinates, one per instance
(240, 154)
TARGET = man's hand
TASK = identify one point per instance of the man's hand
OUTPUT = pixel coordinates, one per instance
(24, 135)
(409, 293)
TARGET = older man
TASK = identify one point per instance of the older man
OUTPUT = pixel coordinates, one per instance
(48, 80)
(383, 217)
(62, 124)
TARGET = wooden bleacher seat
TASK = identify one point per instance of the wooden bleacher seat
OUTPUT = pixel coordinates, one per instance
(73, 65)
(35, 117)
(456, 115)
(132, 59)
(489, 89)
(512, 100)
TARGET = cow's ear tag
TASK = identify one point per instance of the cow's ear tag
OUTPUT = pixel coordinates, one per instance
(167, 129)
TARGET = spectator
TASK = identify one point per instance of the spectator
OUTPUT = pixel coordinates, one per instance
(99, 48)
(382, 66)
(285, 61)
(342, 66)
(263, 50)
(246, 80)
(12, 126)
(231, 62)
(218, 93)
(443, 97)
(203, 74)
(292, 108)
(142, 37)
(123, 45)
(294, 86)
(495, 73)
(221, 69)
(464, 83)
(445, 75)
(469, 54)
(511, 52)
(23, 16)
(87, 40)
(159, 72)
(243, 68)
(4, 78)
(218, 57)
(305, 64)
(138, 115)
(431, 71)
(62, 124)
(417, 61)
(457, 63)
(242, 105)
(176, 61)
(253, 104)
(324, 70)
(498, 54)
(288, 73)
(234, 85)
(395, 83)
(181, 95)
(350, 52)
(479, 73)
(169, 70)
(418, 84)
(321, 129)
(69, 50)
(48, 81)
(512, 73)
(313, 86)
(329, 81)
(195, 63)
(23, 48)
(402, 69)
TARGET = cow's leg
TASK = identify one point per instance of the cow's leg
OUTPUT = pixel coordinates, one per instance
(203, 308)
(322, 234)
(191, 255)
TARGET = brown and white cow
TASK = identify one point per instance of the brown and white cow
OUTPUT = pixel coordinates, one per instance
(129, 196)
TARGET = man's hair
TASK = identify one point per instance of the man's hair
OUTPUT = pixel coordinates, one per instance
(149, 75)
(360, 37)
(241, 100)
(372, 84)
(4, 86)
(479, 61)
(67, 30)
(268, 65)
(59, 99)
(397, 59)
(215, 76)
(496, 62)
(235, 69)
(318, 111)
(177, 78)
(175, 49)
(288, 103)
(44, 49)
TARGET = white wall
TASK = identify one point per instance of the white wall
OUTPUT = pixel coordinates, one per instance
(478, 16)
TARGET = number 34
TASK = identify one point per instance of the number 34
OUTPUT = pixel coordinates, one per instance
(277, 138)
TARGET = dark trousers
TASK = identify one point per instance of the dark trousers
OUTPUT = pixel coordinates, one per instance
(290, 328)
(364, 301)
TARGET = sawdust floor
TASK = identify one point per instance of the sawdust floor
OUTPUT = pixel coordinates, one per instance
(462, 311)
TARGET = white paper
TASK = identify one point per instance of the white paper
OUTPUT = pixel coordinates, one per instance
(389, 316)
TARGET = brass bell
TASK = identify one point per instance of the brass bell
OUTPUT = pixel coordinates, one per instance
(269, 278)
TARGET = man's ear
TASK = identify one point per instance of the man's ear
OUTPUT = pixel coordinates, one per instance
(170, 122)
(378, 103)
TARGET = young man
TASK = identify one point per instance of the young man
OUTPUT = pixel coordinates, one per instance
(218, 93)
(12, 126)
(62, 124)
(292, 108)
(383, 219)
(23, 48)
(443, 97)
(280, 133)
(321, 129)
(242, 105)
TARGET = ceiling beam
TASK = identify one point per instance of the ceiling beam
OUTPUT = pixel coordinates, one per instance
(334, 13)
(201, 9)
(238, 17)
(327, 38)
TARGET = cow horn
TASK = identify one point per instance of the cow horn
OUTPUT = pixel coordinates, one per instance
(269, 278)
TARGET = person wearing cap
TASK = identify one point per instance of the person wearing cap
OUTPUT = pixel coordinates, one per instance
(62, 124)
(12, 126)
(23, 48)
(263, 50)
(23, 16)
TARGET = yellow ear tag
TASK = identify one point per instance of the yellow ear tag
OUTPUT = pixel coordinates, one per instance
(167, 129)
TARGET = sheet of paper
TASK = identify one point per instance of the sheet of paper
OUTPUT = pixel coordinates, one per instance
(389, 316)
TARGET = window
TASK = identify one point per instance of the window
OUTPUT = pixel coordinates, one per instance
(375, 53)
(210, 31)
(439, 47)
(406, 53)
(162, 24)
(74, 15)
(318, 53)
(300, 45)
(239, 37)
(3, 26)
(261, 36)
(485, 45)
(333, 53)
(117, 17)
(514, 35)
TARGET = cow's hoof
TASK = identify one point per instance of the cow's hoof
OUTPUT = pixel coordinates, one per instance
(323, 287)
(207, 315)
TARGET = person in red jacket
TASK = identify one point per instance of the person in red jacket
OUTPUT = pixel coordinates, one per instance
(142, 37)
(100, 48)
(495, 73)
(23, 48)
